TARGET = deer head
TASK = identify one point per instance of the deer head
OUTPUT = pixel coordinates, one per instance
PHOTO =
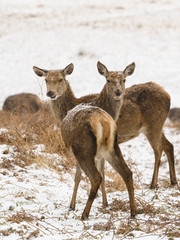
(115, 80)
(55, 80)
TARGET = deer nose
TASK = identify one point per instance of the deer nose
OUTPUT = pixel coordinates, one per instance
(118, 92)
(50, 94)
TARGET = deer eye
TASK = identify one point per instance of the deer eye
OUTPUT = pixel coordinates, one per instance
(124, 80)
(108, 81)
(60, 80)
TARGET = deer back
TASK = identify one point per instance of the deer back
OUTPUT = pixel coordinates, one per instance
(86, 120)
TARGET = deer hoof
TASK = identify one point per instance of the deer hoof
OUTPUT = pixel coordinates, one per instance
(72, 209)
(84, 217)
(173, 182)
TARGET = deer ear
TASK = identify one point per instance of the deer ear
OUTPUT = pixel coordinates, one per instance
(129, 70)
(102, 69)
(40, 72)
(68, 70)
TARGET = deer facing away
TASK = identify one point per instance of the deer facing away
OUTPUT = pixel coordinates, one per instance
(91, 134)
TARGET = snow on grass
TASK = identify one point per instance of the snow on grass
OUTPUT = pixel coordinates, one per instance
(34, 199)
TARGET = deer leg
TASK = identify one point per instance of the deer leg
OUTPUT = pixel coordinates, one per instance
(155, 142)
(100, 167)
(86, 159)
(95, 179)
(77, 181)
(157, 154)
(117, 162)
(168, 148)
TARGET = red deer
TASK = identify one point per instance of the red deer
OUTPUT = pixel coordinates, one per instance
(22, 103)
(91, 134)
(144, 110)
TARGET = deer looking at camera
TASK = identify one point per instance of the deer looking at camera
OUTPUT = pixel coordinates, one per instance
(98, 137)
(144, 110)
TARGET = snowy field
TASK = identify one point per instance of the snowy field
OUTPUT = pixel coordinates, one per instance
(50, 34)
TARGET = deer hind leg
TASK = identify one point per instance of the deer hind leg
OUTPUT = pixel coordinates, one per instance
(86, 159)
(155, 142)
(168, 148)
(95, 179)
(100, 166)
(77, 181)
(117, 162)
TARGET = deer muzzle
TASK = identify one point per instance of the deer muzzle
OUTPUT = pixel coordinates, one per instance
(118, 92)
(51, 94)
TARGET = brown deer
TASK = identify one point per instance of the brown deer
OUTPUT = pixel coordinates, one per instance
(22, 103)
(59, 90)
(108, 100)
(91, 134)
(144, 110)
(101, 136)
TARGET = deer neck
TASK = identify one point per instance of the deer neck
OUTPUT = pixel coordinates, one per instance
(63, 103)
(108, 104)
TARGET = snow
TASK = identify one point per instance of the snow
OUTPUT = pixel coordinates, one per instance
(52, 34)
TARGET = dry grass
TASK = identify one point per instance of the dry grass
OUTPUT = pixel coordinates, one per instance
(25, 132)
(117, 183)
(173, 124)
(157, 219)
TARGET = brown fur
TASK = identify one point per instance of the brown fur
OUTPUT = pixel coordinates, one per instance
(22, 103)
(68, 101)
(148, 105)
(145, 108)
(90, 132)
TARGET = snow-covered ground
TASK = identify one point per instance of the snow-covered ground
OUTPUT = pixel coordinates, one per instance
(35, 200)
(50, 34)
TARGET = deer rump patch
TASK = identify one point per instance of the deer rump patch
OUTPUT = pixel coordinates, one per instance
(104, 128)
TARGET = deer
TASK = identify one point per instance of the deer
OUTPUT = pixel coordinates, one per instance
(59, 90)
(99, 132)
(91, 133)
(22, 103)
(144, 110)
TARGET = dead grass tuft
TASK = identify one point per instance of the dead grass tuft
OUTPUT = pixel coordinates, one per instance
(117, 205)
(7, 232)
(103, 226)
(25, 132)
(173, 124)
(117, 183)
(21, 216)
(33, 234)
(6, 163)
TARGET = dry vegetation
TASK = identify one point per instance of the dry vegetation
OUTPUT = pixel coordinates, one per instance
(24, 133)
